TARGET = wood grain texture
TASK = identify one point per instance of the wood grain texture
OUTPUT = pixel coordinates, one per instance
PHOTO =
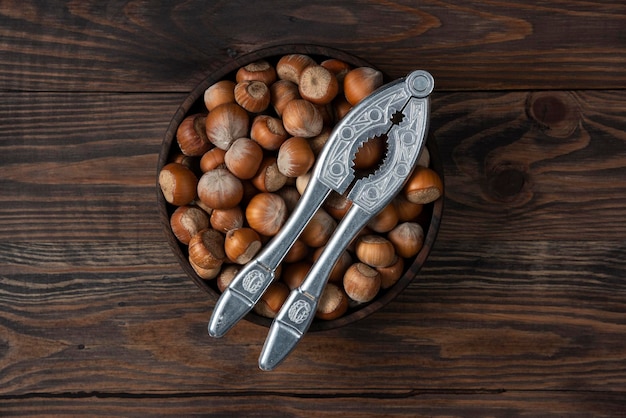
(83, 166)
(519, 311)
(414, 404)
(170, 46)
(479, 316)
(530, 166)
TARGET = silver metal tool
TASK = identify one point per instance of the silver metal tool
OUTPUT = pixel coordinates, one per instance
(397, 111)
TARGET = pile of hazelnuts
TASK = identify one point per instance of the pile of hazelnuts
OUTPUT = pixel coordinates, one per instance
(242, 163)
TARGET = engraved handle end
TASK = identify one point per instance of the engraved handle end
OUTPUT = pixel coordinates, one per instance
(281, 341)
(230, 308)
(240, 297)
(288, 327)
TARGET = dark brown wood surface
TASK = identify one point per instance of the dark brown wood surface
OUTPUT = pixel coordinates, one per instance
(519, 311)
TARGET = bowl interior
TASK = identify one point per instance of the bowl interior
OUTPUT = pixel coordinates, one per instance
(430, 218)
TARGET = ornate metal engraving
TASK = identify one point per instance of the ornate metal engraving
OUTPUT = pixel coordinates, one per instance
(336, 171)
(299, 311)
(253, 281)
(403, 146)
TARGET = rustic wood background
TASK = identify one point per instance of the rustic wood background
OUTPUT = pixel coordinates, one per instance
(519, 311)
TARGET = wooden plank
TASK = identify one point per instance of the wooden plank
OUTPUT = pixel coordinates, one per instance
(81, 166)
(120, 317)
(518, 166)
(520, 309)
(136, 46)
(412, 403)
(532, 166)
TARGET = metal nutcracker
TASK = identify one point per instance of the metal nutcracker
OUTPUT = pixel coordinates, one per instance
(399, 112)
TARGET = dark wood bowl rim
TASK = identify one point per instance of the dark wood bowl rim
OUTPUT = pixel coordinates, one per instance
(165, 208)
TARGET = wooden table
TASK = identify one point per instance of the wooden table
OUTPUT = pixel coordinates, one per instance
(520, 309)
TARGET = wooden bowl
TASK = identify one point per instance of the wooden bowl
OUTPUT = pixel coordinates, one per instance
(429, 219)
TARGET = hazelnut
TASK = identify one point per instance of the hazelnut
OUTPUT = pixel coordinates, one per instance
(391, 274)
(302, 181)
(197, 202)
(243, 158)
(268, 131)
(191, 136)
(361, 282)
(298, 252)
(291, 196)
(219, 93)
(385, 220)
(407, 238)
(211, 159)
(290, 67)
(252, 95)
(272, 300)
(281, 93)
(341, 107)
(375, 251)
(319, 229)
(360, 83)
(186, 221)
(407, 211)
(205, 273)
(186, 160)
(318, 85)
(337, 205)
(220, 189)
(226, 123)
(423, 186)
(294, 273)
(241, 245)
(206, 249)
(295, 157)
(249, 191)
(328, 114)
(224, 220)
(338, 67)
(318, 141)
(333, 303)
(370, 154)
(178, 184)
(260, 70)
(266, 213)
(268, 178)
(226, 276)
(302, 118)
(352, 245)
